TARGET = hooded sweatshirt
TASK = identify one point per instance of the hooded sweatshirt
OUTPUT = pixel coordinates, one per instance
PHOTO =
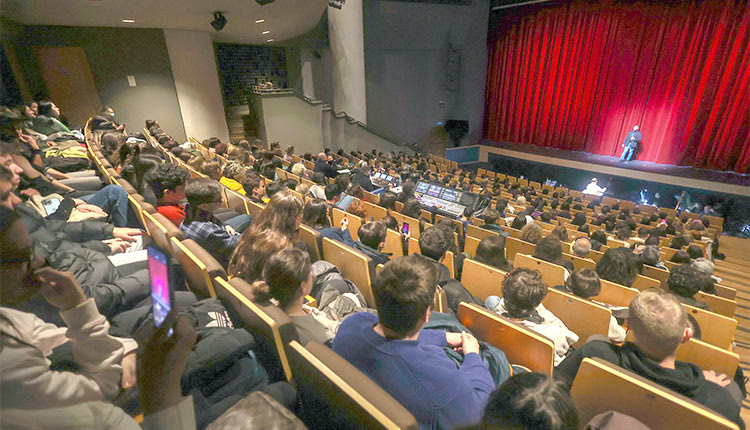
(686, 378)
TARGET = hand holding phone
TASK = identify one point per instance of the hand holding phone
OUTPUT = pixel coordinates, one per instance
(162, 294)
(405, 228)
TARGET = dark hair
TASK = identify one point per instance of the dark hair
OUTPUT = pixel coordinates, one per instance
(530, 401)
(584, 283)
(549, 249)
(684, 280)
(433, 243)
(523, 290)
(251, 181)
(490, 216)
(167, 177)
(403, 291)
(388, 200)
(599, 236)
(681, 257)
(283, 274)
(44, 107)
(202, 190)
(412, 208)
(372, 233)
(518, 222)
(319, 178)
(315, 214)
(617, 265)
(491, 251)
(332, 190)
(694, 251)
(274, 187)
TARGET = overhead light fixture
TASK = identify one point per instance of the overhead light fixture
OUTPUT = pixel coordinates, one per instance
(258, 21)
(266, 32)
(219, 21)
(338, 4)
(128, 21)
(269, 40)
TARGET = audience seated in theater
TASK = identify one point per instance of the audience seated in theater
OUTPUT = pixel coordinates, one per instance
(168, 184)
(372, 241)
(232, 175)
(530, 401)
(618, 265)
(433, 245)
(532, 233)
(659, 325)
(518, 222)
(324, 165)
(254, 187)
(47, 121)
(680, 257)
(283, 213)
(523, 292)
(255, 248)
(204, 197)
(585, 284)
(492, 218)
(315, 215)
(82, 247)
(491, 251)
(287, 279)
(275, 187)
(581, 247)
(685, 281)
(550, 249)
(408, 362)
(107, 364)
(317, 190)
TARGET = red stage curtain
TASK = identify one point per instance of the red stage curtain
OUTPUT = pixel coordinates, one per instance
(578, 75)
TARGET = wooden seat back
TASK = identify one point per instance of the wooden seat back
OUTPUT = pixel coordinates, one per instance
(353, 265)
(708, 357)
(199, 266)
(313, 241)
(581, 316)
(520, 345)
(717, 329)
(514, 246)
(615, 294)
(552, 274)
(630, 394)
(393, 244)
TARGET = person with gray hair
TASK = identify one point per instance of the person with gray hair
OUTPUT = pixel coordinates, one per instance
(581, 247)
(660, 324)
(705, 266)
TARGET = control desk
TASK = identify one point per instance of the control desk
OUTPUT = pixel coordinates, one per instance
(448, 201)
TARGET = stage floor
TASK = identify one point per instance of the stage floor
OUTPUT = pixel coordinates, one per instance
(709, 180)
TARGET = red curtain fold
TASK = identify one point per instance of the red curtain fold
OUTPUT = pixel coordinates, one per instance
(578, 75)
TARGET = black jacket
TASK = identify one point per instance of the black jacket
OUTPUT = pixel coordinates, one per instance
(455, 292)
(363, 180)
(327, 169)
(686, 378)
(377, 256)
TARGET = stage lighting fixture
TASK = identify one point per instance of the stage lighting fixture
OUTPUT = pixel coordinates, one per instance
(219, 21)
(336, 3)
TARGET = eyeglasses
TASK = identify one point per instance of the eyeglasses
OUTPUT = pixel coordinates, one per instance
(19, 260)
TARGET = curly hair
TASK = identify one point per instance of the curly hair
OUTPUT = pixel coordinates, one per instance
(255, 247)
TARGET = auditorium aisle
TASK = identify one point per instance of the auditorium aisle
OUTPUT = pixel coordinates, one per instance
(735, 273)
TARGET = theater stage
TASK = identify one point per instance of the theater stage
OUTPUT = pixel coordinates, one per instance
(659, 184)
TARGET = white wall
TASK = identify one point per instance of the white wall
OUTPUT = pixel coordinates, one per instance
(291, 121)
(406, 56)
(345, 35)
(191, 55)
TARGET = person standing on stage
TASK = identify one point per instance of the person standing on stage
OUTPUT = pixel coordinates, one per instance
(632, 140)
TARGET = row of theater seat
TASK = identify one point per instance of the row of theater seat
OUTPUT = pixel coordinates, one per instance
(334, 393)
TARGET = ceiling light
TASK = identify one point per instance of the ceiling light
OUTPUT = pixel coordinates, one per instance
(258, 21)
(269, 40)
(129, 21)
(266, 32)
(219, 21)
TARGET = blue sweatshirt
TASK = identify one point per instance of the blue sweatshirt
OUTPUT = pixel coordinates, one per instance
(417, 373)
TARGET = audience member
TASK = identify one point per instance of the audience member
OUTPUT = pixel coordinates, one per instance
(372, 241)
(408, 362)
(550, 249)
(532, 233)
(684, 282)
(617, 265)
(582, 247)
(491, 251)
(585, 284)
(315, 215)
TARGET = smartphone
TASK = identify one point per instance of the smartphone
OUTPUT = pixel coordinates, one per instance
(51, 205)
(405, 228)
(162, 294)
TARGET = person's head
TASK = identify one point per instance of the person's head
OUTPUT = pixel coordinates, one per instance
(433, 243)
(333, 192)
(233, 170)
(659, 323)
(490, 216)
(684, 280)
(530, 401)
(584, 283)
(255, 247)
(404, 291)
(635, 128)
(599, 236)
(319, 178)
(168, 182)
(491, 251)
(617, 265)
(412, 208)
(212, 169)
(372, 234)
(299, 169)
(283, 213)
(582, 247)
(17, 261)
(651, 255)
(704, 266)
(286, 277)
(694, 251)
(275, 187)
(390, 222)
(253, 184)
(532, 233)
(388, 200)
(518, 222)
(680, 257)
(549, 249)
(204, 194)
(523, 290)
(48, 108)
(315, 214)
(622, 231)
